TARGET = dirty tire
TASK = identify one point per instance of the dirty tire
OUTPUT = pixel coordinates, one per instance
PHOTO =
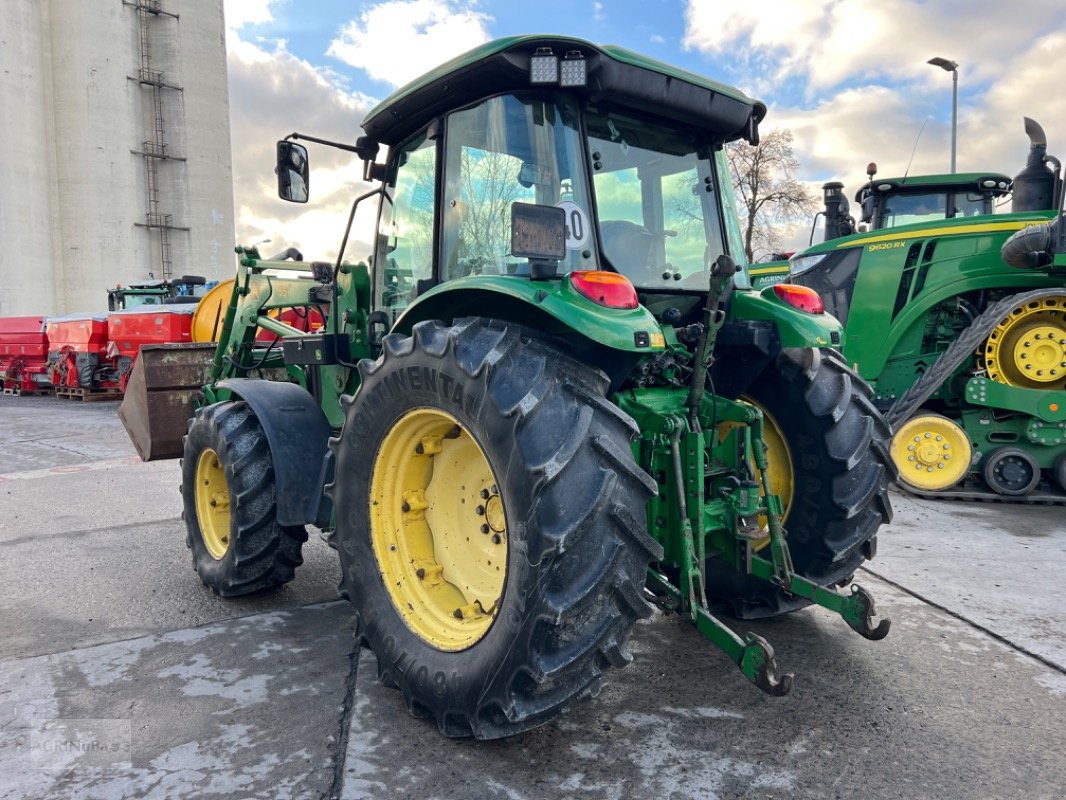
(577, 541)
(261, 555)
(838, 443)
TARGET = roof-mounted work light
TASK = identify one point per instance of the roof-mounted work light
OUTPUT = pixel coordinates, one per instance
(574, 71)
(544, 66)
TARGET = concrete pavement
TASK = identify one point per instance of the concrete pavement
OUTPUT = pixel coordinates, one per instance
(122, 676)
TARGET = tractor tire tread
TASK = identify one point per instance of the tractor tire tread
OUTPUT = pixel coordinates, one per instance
(262, 554)
(584, 568)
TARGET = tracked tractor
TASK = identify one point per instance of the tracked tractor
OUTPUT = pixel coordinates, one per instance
(892, 202)
(965, 346)
(546, 396)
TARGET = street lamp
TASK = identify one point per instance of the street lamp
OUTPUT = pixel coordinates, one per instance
(953, 68)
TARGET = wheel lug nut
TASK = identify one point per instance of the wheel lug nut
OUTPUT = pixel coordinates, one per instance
(458, 613)
(485, 492)
(484, 528)
(480, 511)
(421, 573)
(496, 538)
(405, 507)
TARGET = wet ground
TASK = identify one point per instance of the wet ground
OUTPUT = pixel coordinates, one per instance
(122, 676)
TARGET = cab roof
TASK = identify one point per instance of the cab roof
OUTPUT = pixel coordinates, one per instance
(615, 74)
(964, 181)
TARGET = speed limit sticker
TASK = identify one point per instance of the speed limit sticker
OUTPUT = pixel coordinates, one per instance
(577, 224)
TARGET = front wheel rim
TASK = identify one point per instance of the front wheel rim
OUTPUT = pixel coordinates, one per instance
(438, 529)
(212, 504)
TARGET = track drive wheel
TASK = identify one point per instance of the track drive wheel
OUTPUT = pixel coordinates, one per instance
(227, 487)
(491, 525)
(1028, 348)
(828, 447)
(931, 452)
(1011, 471)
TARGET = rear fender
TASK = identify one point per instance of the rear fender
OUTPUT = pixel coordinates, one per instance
(795, 328)
(552, 305)
(612, 339)
(298, 435)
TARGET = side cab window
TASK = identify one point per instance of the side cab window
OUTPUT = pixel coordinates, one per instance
(403, 252)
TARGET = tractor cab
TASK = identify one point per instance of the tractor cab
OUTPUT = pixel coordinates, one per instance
(625, 152)
(892, 202)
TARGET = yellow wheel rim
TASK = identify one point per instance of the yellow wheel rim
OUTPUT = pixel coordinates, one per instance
(1028, 348)
(931, 452)
(779, 457)
(438, 528)
(212, 503)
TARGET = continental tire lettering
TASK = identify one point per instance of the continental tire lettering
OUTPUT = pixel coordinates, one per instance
(396, 383)
(451, 389)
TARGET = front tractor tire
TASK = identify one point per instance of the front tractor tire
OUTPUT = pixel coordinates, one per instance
(829, 462)
(227, 486)
(490, 524)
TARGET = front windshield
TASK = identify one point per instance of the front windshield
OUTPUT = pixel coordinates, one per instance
(905, 209)
(656, 196)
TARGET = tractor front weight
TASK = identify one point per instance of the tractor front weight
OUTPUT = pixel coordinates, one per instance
(714, 503)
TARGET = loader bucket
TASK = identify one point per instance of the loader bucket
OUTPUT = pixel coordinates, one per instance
(160, 396)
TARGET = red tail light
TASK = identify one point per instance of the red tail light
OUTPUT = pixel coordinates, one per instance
(605, 288)
(801, 297)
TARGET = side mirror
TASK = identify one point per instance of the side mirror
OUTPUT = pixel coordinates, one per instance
(869, 207)
(293, 171)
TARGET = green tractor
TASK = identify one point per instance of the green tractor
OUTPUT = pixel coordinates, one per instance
(892, 202)
(548, 394)
(965, 346)
(186, 289)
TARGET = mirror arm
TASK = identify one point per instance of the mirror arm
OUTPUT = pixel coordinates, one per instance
(364, 147)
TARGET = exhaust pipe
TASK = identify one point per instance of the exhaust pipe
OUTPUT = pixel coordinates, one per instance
(1038, 186)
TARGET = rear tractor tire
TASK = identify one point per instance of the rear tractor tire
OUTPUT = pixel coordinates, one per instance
(829, 462)
(227, 486)
(491, 525)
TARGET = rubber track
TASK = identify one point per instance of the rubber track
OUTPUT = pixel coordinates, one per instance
(957, 352)
(943, 368)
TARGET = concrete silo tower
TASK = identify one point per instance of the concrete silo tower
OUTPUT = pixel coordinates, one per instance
(116, 156)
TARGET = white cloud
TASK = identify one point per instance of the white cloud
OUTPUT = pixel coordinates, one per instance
(272, 94)
(860, 90)
(828, 42)
(399, 40)
(247, 12)
(657, 39)
(597, 11)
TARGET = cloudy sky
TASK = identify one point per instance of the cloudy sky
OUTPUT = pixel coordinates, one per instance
(848, 77)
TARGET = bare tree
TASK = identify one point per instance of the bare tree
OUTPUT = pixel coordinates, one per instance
(767, 192)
